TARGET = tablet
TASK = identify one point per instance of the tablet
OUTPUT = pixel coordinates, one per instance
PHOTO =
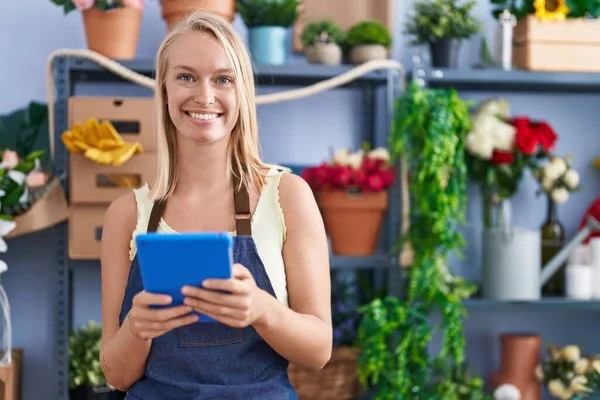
(173, 260)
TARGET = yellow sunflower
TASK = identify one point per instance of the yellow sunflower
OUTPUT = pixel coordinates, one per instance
(551, 10)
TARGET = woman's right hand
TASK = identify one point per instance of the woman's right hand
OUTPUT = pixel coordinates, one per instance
(145, 323)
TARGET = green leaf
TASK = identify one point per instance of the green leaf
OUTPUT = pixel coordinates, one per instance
(25, 130)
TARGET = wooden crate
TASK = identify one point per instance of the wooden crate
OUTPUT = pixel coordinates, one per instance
(353, 11)
(85, 232)
(91, 183)
(567, 46)
(131, 116)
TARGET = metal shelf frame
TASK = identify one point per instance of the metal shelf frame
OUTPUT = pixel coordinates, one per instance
(69, 71)
(499, 80)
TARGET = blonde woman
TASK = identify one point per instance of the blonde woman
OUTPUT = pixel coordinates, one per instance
(210, 178)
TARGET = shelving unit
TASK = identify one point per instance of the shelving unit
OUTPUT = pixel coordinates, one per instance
(513, 81)
(69, 72)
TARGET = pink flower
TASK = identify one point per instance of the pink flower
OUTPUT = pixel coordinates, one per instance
(36, 179)
(10, 159)
(83, 4)
(137, 4)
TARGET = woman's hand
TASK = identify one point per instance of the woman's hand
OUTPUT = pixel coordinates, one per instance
(242, 305)
(146, 323)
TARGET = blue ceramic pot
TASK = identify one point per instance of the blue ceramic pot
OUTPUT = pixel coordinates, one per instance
(268, 44)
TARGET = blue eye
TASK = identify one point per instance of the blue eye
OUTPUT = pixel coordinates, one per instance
(185, 77)
(224, 80)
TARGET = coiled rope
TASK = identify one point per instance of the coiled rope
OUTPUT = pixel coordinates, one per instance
(288, 95)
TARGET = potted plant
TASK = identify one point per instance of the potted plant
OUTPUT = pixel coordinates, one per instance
(442, 25)
(174, 11)
(268, 23)
(86, 379)
(394, 334)
(322, 40)
(352, 193)
(112, 28)
(368, 40)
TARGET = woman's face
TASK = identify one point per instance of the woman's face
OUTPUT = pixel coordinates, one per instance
(200, 89)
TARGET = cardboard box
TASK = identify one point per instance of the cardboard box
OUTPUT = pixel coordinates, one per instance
(85, 232)
(353, 11)
(132, 117)
(91, 183)
(572, 45)
(11, 377)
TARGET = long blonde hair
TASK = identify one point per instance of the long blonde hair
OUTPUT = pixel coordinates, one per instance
(242, 150)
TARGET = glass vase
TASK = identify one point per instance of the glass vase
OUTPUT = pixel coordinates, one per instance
(497, 211)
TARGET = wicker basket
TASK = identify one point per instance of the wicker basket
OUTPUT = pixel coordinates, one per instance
(336, 381)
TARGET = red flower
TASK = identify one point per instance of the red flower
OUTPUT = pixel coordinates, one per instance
(374, 175)
(525, 139)
(530, 136)
(502, 157)
(545, 134)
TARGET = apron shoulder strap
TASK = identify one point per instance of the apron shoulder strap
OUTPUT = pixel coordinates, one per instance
(241, 199)
(158, 208)
(243, 217)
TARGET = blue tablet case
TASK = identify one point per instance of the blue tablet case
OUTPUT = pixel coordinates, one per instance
(170, 261)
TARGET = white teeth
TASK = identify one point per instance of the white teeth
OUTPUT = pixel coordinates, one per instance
(204, 117)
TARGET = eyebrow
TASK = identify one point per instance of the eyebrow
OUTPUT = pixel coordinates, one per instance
(218, 71)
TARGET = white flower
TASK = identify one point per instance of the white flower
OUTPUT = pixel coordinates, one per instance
(539, 372)
(558, 389)
(355, 160)
(555, 168)
(480, 145)
(571, 353)
(17, 176)
(507, 391)
(3, 267)
(547, 183)
(380, 153)
(572, 178)
(581, 366)
(504, 136)
(496, 107)
(578, 384)
(6, 227)
(341, 156)
(596, 366)
(559, 195)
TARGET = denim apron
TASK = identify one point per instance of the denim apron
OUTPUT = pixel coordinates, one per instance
(205, 361)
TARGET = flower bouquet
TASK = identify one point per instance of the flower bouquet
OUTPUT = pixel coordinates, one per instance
(568, 374)
(499, 149)
(23, 182)
(352, 192)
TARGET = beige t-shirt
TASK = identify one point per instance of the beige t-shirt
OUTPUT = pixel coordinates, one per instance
(268, 230)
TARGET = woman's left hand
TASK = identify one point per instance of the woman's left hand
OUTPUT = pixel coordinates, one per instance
(242, 305)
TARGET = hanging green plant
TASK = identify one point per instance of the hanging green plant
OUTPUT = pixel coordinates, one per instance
(429, 130)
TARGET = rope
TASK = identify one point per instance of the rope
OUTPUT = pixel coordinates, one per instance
(288, 95)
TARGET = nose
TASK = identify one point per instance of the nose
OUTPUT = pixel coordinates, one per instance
(205, 94)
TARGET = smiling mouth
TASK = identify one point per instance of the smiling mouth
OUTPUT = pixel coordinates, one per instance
(204, 116)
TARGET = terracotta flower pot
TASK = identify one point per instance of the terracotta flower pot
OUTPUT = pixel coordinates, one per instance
(113, 33)
(520, 355)
(175, 10)
(353, 221)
